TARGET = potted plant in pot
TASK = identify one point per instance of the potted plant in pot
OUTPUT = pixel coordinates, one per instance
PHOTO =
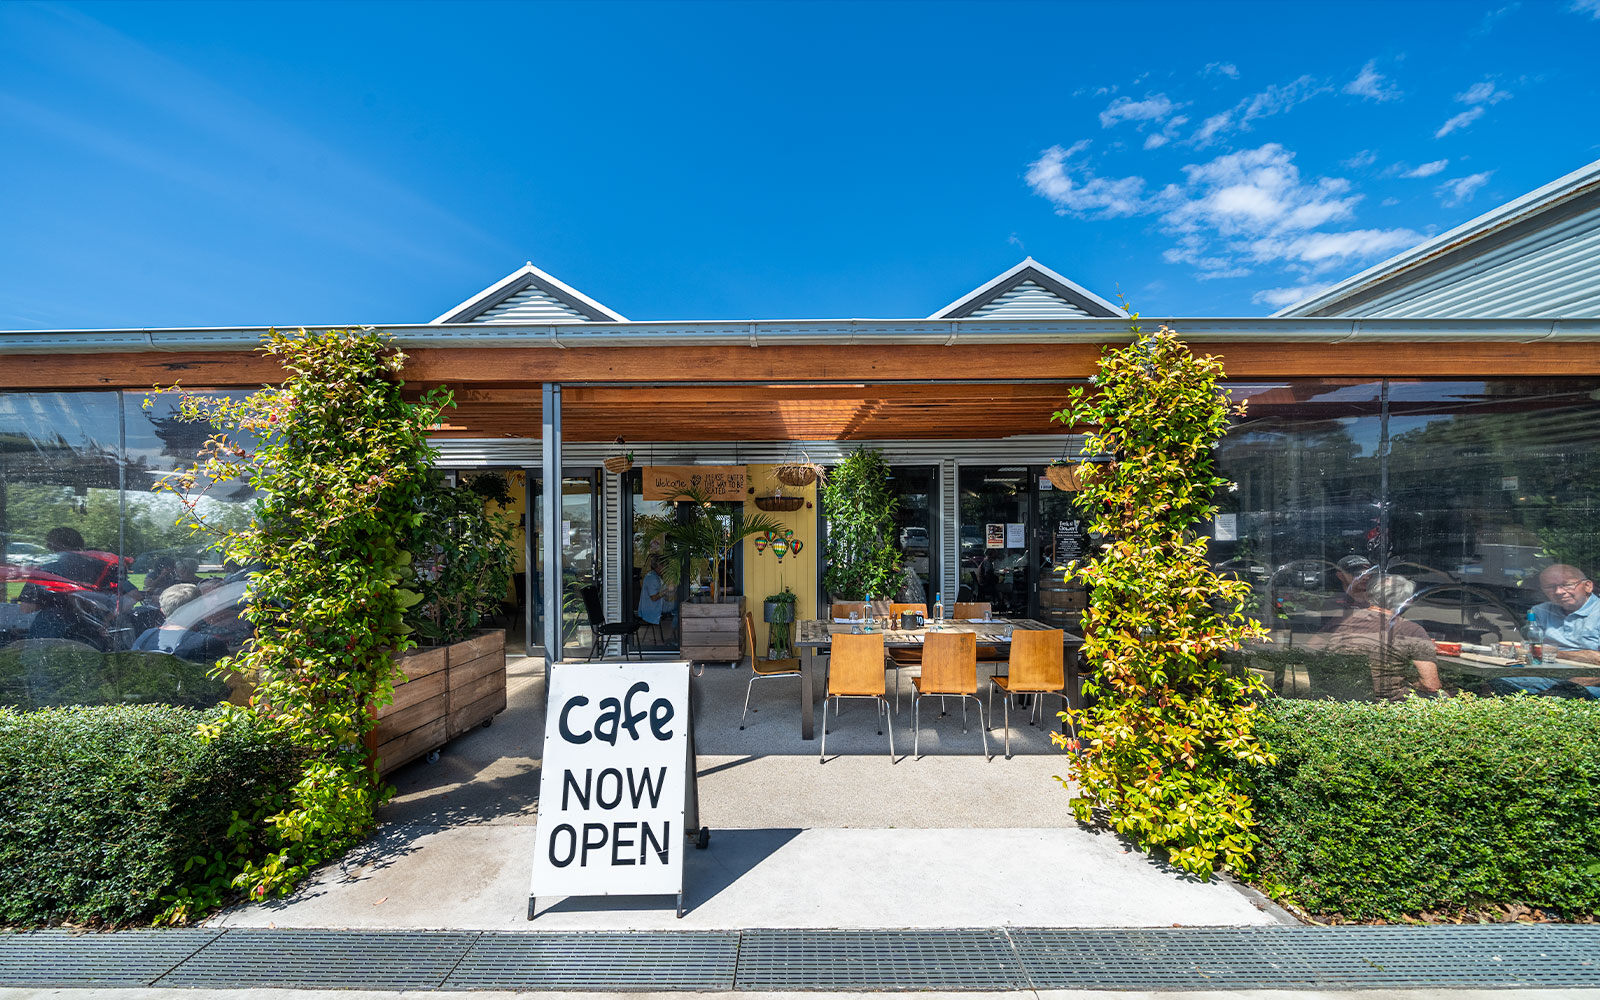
(711, 629)
(778, 612)
(456, 677)
(860, 510)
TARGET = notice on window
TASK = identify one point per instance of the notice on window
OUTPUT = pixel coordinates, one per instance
(1227, 528)
(611, 793)
(994, 536)
(1015, 537)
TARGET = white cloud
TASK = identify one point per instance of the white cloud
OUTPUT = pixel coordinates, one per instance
(1155, 140)
(1169, 132)
(1074, 189)
(1274, 100)
(1371, 84)
(1590, 7)
(1389, 202)
(1489, 19)
(1319, 251)
(1427, 169)
(1254, 191)
(1280, 297)
(1154, 108)
(1227, 69)
(1454, 192)
(1462, 120)
(1365, 158)
(1229, 215)
(1484, 92)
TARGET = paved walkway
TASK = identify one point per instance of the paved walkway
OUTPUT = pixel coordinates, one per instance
(861, 841)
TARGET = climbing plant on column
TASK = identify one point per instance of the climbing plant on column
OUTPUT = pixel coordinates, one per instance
(339, 464)
(1168, 722)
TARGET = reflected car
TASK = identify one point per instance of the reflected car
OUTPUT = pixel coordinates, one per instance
(913, 538)
(26, 553)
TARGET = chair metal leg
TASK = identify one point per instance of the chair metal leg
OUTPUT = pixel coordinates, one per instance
(822, 751)
(890, 723)
(747, 689)
(981, 727)
(916, 726)
(1005, 703)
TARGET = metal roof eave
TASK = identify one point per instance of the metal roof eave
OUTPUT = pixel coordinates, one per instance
(848, 332)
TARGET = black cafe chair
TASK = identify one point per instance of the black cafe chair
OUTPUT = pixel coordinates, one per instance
(605, 631)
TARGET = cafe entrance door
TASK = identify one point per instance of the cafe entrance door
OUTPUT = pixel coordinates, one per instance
(1017, 534)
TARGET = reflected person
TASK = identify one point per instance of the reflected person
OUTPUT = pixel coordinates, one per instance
(1571, 622)
(1400, 652)
(656, 599)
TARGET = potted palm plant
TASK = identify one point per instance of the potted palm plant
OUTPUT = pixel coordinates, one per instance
(712, 628)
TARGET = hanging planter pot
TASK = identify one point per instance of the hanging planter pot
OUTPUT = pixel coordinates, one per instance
(779, 503)
(618, 464)
(1064, 477)
(798, 473)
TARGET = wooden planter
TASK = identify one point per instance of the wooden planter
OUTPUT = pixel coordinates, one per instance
(712, 631)
(448, 690)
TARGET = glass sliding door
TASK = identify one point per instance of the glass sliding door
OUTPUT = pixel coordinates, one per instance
(1062, 535)
(581, 548)
(916, 526)
(995, 504)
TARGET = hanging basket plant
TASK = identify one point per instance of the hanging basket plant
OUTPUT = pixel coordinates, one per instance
(779, 502)
(799, 474)
(1064, 476)
(618, 464)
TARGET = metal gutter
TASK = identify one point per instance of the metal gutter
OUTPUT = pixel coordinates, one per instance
(844, 332)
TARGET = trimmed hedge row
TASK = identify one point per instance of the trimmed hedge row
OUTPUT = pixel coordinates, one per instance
(102, 810)
(1376, 811)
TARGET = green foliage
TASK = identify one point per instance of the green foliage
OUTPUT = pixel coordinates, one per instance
(1168, 722)
(698, 529)
(780, 633)
(860, 508)
(50, 672)
(117, 814)
(340, 466)
(1430, 806)
(463, 557)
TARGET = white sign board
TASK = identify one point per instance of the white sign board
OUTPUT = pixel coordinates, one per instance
(611, 790)
(1015, 537)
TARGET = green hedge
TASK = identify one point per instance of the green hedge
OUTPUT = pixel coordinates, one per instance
(102, 810)
(45, 673)
(1444, 805)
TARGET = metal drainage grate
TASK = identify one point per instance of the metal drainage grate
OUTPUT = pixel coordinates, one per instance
(1267, 957)
(378, 960)
(877, 960)
(599, 960)
(123, 958)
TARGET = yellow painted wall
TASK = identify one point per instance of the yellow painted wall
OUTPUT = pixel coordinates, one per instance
(763, 574)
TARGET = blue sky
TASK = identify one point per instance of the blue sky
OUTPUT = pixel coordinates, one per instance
(297, 163)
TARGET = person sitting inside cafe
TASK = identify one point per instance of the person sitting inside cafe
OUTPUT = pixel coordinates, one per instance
(1571, 622)
(656, 599)
(1400, 653)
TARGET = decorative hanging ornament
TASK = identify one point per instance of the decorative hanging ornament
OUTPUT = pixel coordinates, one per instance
(795, 546)
(761, 544)
(780, 548)
(788, 533)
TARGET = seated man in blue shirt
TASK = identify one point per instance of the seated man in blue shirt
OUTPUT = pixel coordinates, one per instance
(656, 597)
(1571, 623)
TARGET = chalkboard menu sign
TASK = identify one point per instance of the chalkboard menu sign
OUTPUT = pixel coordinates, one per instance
(1070, 539)
(716, 482)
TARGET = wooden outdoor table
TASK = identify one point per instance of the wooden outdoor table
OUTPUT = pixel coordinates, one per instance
(813, 635)
(1481, 665)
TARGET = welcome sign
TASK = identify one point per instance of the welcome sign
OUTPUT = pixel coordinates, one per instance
(611, 792)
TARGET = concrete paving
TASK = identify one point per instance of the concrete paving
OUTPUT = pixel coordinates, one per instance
(950, 839)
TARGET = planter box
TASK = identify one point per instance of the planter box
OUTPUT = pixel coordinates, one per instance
(447, 691)
(712, 631)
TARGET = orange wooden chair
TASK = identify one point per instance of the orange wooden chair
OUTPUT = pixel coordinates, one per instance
(856, 671)
(949, 667)
(842, 609)
(760, 668)
(910, 659)
(967, 610)
(1038, 667)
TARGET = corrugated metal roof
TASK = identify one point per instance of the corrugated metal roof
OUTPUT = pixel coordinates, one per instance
(529, 295)
(1029, 300)
(1552, 271)
(1533, 256)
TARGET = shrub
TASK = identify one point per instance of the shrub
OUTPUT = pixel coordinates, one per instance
(116, 814)
(463, 557)
(860, 508)
(1169, 721)
(1429, 806)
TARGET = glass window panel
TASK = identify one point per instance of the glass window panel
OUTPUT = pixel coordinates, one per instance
(915, 527)
(994, 561)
